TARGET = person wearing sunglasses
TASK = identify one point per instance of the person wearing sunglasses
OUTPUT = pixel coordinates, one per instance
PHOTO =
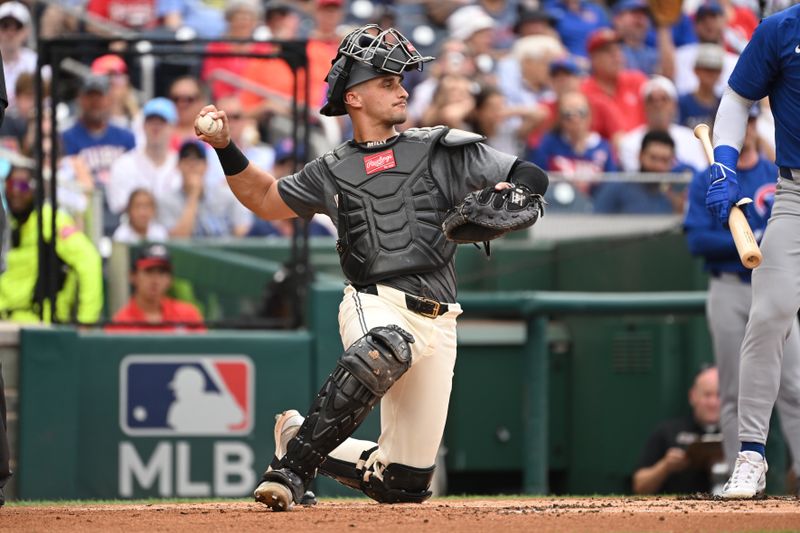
(79, 279)
(189, 94)
(574, 150)
(244, 132)
(15, 25)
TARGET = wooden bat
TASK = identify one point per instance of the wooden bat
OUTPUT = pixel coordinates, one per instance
(746, 244)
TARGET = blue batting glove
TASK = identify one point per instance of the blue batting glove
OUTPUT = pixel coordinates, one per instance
(724, 191)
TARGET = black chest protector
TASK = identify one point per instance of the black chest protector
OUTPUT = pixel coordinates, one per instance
(390, 208)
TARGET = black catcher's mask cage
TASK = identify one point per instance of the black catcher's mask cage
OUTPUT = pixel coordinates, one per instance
(367, 53)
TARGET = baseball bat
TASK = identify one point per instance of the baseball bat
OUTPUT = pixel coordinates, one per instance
(746, 245)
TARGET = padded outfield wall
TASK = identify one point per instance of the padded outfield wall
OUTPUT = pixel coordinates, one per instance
(608, 379)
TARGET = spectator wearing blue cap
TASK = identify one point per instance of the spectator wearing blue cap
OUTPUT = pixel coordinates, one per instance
(151, 166)
(709, 25)
(700, 106)
(98, 142)
(199, 209)
(565, 77)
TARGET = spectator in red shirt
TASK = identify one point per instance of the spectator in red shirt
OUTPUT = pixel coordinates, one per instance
(242, 17)
(614, 93)
(276, 77)
(149, 309)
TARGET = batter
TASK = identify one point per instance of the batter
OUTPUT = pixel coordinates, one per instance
(768, 67)
(729, 293)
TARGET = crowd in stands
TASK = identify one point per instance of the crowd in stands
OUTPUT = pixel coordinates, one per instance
(573, 85)
(582, 88)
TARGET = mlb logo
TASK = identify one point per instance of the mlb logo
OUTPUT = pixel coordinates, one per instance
(168, 395)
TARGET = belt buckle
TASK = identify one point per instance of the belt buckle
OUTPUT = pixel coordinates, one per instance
(436, 306)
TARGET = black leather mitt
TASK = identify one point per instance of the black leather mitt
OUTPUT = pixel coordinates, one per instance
(488, 214)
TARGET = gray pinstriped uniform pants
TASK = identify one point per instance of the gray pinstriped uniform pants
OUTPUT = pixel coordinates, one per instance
(773, 314)
(729, 302)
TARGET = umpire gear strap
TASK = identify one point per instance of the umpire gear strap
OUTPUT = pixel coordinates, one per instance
(365, 372)
(348, 474)
(379, 358)
(400, 484)
(290, 479)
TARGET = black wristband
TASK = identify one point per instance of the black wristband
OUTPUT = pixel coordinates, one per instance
(527, 174)
(233, 161)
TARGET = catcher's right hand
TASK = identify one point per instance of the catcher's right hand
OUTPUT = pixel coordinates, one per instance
(222, 137)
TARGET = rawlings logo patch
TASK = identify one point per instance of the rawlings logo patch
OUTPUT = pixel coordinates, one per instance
(379, 162)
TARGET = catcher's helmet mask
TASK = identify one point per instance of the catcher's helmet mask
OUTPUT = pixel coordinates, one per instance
(364, 54)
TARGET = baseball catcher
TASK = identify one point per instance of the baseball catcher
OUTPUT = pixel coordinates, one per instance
(389, 194)
(768, 66)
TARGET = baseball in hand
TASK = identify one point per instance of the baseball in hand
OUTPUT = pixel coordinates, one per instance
(208, 125)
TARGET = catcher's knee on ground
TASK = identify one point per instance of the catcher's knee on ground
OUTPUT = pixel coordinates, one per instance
(364, 373)
(397, 484)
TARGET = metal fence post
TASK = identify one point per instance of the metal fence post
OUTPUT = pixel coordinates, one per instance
(535, 433)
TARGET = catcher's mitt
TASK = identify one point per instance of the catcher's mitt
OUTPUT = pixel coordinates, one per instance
(665, 12)
(488, 214)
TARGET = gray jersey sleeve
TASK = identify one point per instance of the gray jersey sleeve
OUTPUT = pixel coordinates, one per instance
(305, 191)
(463, 169)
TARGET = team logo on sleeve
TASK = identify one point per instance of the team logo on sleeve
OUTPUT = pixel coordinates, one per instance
(379, 162)
(167, 395)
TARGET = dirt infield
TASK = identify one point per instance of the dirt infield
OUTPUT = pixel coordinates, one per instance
(451, 515)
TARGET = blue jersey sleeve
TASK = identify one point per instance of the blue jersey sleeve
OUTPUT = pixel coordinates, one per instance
(705, 235)
(759, 63)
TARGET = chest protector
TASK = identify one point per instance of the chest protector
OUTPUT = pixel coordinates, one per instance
(390, 208)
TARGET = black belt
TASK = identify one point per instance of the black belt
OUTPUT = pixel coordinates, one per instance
(423, 306)
(746, 277)
(786, 173)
